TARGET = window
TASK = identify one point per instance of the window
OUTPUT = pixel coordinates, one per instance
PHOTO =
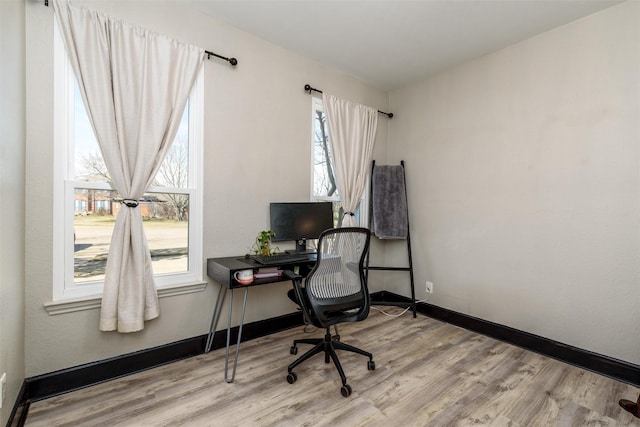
(87, 205)
(323, 180)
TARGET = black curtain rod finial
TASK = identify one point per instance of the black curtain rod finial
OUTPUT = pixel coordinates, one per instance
(310, 89)
(232, 61)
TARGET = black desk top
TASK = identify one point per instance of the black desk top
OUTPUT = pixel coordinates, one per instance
(222, 269)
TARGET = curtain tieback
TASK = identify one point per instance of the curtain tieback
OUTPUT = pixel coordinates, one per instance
(349, 213)
(130, 203)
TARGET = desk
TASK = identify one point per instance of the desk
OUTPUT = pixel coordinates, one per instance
(221, 270)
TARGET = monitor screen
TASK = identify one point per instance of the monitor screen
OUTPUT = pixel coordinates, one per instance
(300, 221)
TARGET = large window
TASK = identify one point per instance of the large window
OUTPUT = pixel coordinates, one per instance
(323, 179)
(87, 205)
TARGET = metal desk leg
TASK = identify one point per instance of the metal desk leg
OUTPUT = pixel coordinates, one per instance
(216, 316)
(226, 358)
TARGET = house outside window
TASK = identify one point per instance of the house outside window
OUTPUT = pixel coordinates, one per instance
(87, 205)
(323, 179)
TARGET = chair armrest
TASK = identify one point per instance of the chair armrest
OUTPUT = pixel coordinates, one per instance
(291, 275)
(300, 295)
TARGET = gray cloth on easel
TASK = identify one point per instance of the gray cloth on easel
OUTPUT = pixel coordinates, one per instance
(390, 218)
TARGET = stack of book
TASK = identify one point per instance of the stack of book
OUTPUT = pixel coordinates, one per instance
(264, 273)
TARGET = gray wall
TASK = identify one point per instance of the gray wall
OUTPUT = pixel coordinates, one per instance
(257, 130)
(524, 184)
(12, 134)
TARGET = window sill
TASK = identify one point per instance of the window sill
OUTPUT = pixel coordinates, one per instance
(93, 302)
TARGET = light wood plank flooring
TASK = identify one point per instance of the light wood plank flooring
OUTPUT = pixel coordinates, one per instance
(428, 373)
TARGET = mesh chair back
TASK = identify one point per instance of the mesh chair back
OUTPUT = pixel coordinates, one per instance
(336, 287)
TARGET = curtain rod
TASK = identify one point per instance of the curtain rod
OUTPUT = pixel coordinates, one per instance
(309, 89)
(232, 61)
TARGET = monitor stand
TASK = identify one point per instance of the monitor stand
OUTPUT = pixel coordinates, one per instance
(301, 248)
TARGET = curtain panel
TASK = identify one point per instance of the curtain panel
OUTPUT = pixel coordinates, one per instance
(135, 85)
(352, 131)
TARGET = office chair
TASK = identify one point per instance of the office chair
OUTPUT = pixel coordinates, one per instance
(335, 291)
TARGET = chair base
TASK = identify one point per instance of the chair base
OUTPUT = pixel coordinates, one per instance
(327, 345)
(632, 407)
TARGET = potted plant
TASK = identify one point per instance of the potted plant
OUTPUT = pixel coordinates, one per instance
(262, 245)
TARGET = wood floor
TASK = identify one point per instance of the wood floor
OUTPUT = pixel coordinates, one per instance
(428, 373)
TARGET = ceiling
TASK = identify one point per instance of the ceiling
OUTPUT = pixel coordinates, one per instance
(394, 42)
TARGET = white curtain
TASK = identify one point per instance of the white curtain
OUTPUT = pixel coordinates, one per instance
(352, 132)
(135, 85)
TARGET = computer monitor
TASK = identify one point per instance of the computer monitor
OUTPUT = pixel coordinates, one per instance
(299, 221)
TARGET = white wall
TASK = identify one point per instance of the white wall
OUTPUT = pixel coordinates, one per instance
(12, 135)
(257, 150)
(523, 179)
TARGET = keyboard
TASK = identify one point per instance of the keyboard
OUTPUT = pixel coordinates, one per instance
(278, 259)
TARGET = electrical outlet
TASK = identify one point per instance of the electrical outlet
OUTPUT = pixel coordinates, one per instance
(429, 287)
(3, 385)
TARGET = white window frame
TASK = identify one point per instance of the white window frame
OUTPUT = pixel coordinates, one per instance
(317, 105)
(64, 286)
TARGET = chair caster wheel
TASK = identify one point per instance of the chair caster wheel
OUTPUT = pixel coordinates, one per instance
(371, 365)
(293, 349)
(346, 390)
(292, 377)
